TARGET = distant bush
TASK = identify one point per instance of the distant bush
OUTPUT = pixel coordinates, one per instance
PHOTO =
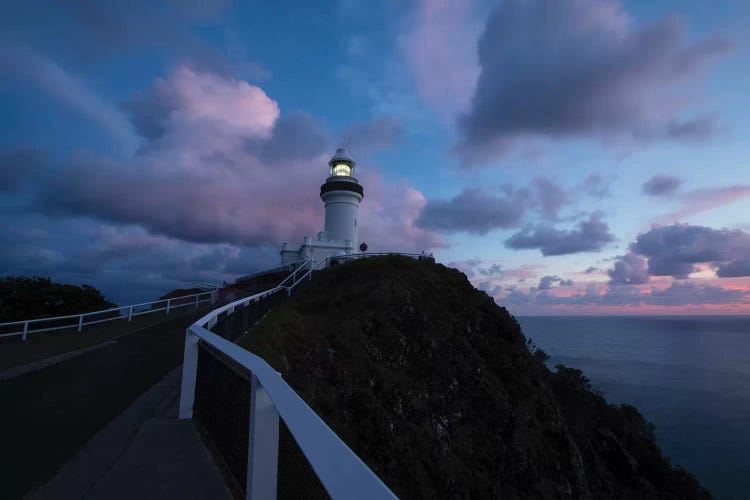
(535, 351)
(572, 378)
(31, 298)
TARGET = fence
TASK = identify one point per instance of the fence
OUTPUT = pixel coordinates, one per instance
(90, 318)
(269, 441)
(356, 256)
(292, 266)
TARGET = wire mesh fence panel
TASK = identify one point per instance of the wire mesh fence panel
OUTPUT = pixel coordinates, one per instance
(233, 326)
(296, 478)
(222, 410)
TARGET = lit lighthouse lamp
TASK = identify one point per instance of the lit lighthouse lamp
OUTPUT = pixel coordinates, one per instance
(341, 193)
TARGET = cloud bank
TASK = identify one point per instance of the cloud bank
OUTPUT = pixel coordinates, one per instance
(568, 68)
(589, 236)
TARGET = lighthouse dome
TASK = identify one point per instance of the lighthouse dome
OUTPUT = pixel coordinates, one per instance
(342, 165)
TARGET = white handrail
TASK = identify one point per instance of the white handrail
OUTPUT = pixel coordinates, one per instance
(293, 275)
(341, 472)
(308, 274)
(268, 271)
(131, 311)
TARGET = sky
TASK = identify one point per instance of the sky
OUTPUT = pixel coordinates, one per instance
(569, 156)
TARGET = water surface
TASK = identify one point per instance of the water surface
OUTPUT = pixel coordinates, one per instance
(690, 376)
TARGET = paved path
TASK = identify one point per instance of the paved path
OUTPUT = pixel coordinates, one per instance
(144, 453)
(47, 415)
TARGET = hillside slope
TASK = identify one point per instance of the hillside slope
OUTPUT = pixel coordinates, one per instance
(432, 384)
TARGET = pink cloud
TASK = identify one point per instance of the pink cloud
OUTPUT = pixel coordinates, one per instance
(224, 166)
(440, 48)
(389, 217)
(703, 200)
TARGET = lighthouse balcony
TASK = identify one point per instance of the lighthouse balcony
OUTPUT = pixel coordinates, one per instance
(342, 184)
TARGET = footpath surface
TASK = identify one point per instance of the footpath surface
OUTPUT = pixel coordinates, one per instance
(49, 414)
(144, 453)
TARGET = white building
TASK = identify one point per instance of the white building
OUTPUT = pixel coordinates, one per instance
(341, 193)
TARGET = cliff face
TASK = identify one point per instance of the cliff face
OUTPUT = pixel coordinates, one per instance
(432, 385)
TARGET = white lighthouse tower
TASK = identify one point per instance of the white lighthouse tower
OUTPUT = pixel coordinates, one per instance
(341, 192)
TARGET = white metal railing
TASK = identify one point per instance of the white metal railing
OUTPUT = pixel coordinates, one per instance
(291, 281)
(341, 472)
(205, 287)
(284, 267)
(356, 256)
(122, 313)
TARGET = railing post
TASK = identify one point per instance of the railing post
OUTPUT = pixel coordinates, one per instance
(80, 322)
(130, 314)
(25, 329)
(214, 296)
(263, 446)
(168, 301)
(196, 301)
(189, 373)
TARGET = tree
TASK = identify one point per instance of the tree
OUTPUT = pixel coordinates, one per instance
(24, 298)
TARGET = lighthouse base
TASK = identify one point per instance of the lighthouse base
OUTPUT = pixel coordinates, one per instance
(317, 250)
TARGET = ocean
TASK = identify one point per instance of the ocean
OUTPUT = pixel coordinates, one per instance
(689, 376)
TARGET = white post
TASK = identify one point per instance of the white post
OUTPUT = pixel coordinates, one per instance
(196, 301)
(214, 296)
(25, 329)
(189, 373)
(130, 314)
(80, 322)
(168, 301)
(263, 446)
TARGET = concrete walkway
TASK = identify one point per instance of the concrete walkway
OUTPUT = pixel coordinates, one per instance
(145, 453)
(49, 414)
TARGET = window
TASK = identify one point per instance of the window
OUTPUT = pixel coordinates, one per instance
(341, 169)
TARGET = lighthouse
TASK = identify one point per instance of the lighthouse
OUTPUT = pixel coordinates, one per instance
(341, 194)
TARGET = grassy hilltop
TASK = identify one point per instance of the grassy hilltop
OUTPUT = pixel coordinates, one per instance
(432, 384)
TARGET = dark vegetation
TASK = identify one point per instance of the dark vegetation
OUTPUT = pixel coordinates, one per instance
(180, 292)
(435, 387)
(31, 298)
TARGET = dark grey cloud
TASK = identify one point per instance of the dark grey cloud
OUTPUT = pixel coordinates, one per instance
(493, 270)
(490, 288)
(551, 197)
(475, 211)
(675, 250)
(693, 294)
(565, 68)
(127, 263)
(589, 236)
(630, 269)
(596, 185)
(381, 133)
(591, 270)
(113, 25)
(294, 137)
(17, 164)
(468, 266)
(547, 282)
(661, 185)
(734, 268)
